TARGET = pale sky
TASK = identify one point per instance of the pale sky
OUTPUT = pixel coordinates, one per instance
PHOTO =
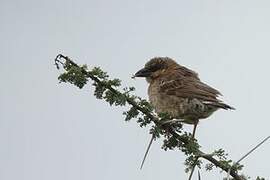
(51, 131)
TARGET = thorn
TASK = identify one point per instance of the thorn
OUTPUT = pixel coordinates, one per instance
(248, 153)
(193, 168)
(199, 175)
(147, 150)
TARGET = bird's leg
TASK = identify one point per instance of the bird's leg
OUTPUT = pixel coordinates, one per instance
(194, 128)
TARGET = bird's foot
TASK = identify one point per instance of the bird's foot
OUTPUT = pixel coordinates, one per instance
(173, 121)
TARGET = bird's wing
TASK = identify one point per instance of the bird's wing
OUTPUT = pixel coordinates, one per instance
(186, 84)
(182, 71)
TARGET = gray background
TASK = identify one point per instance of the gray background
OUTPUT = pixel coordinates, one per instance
(58, 132)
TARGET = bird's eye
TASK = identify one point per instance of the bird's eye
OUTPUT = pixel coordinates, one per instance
(155, 67)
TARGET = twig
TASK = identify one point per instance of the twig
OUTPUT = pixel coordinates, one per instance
(253, 149)
(243, 157)
(58, 60)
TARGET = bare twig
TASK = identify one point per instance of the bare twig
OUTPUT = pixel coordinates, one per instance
(253, 149)
(243, 157)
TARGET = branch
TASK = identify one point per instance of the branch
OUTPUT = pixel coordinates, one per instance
(174, 137)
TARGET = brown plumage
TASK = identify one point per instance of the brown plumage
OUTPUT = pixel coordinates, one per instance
(178, 91)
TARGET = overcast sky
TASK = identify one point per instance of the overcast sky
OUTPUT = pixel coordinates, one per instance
(51, 131)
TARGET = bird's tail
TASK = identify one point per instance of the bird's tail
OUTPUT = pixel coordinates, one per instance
(222, 105)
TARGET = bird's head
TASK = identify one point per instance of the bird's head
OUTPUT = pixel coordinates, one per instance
(156, 67)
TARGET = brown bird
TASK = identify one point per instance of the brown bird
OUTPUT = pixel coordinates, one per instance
(178, 91)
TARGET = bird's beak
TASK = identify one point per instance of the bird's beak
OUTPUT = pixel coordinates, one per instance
(143, 73)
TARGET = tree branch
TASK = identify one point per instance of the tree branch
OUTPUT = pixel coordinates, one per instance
(167, 130)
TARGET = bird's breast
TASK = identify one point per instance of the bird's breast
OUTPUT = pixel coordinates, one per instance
(164, 103)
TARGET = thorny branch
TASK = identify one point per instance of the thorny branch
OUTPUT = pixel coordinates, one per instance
(173, 139)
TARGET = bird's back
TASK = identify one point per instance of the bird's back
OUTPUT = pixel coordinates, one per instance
(181, 93)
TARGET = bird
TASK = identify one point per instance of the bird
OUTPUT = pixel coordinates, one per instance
(178, 91)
